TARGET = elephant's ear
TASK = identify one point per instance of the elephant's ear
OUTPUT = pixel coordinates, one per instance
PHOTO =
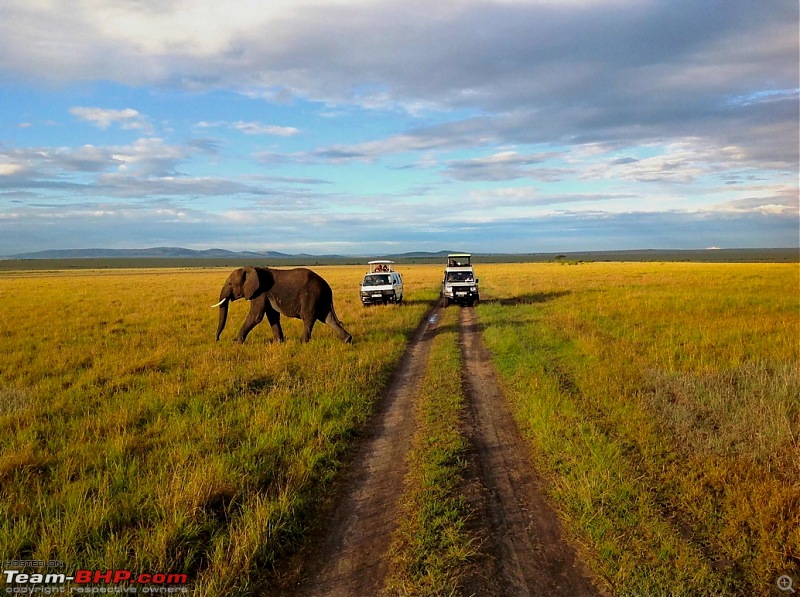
(251, 283)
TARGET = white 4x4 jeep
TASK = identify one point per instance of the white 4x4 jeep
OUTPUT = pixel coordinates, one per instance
(459, 284)
(381, 284)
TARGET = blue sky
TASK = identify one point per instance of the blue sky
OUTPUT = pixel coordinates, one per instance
(364, 127)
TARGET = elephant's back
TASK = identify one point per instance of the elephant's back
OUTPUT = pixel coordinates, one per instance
(307, 281)
(313, 281)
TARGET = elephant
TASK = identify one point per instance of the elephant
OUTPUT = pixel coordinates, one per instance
(298, 293)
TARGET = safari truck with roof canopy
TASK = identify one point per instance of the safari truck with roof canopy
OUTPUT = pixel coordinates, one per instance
(459, 284)
(381, 284)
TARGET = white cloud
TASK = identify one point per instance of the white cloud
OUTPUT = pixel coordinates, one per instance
(683, 161)
(505, 165)
(148, 167)
(256, 128)
(251, 128)
(9, 169)
(777, 201)
(127, 118)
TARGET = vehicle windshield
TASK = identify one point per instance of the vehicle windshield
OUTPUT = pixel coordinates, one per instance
(378, 280)
(459, 277)
(460, 261)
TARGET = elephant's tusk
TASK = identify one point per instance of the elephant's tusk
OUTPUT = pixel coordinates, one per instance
(219, 303)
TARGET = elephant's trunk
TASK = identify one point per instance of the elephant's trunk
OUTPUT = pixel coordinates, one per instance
(223, 316)
(224, 299)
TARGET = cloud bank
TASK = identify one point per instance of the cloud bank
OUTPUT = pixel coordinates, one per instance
(679, 112)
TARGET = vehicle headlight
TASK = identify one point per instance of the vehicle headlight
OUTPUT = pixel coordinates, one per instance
(448, 289)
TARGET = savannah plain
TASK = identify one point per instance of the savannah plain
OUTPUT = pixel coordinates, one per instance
(660, 403)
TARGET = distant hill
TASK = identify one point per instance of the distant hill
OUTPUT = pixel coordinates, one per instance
(422, 255)
(181, 253)
(151, 253)
(165, 257)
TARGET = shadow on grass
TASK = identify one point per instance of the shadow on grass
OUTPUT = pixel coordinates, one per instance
(529, 299)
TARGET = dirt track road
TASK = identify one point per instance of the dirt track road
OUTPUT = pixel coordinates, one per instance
(522, 553)
(349, 557)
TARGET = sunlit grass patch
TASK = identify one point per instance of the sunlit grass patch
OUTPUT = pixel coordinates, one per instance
(130, 439)
(664, 401)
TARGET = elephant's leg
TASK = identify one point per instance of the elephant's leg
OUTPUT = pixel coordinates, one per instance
(274, 319)
(307, 315)
(333, 322)
(254, 317)
(308, 325)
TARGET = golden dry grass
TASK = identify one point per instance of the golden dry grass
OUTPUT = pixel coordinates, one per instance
(130, 439)
(664, 401)
(661, 400)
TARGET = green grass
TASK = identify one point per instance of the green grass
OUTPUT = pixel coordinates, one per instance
(130, 439)
(432, 546)
(663, 402)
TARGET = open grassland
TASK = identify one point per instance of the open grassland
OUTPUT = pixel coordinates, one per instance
(130, 439)
(663, 403)
(432, 546)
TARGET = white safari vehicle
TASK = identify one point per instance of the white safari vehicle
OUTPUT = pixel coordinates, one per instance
(382, 284)
(459, 284)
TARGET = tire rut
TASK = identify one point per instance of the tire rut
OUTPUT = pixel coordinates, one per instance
(349, 556)
(524, 552)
